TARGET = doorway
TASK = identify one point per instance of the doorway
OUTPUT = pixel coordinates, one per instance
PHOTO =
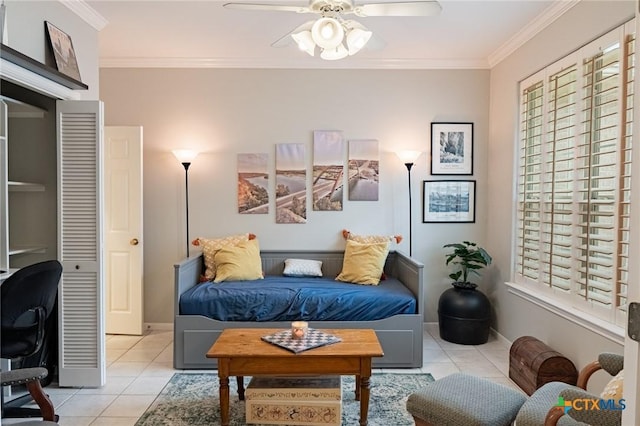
(124, 295)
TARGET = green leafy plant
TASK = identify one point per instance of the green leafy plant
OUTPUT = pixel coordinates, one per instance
(468, 258)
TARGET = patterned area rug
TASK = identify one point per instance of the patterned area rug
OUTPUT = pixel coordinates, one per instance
(192, 399)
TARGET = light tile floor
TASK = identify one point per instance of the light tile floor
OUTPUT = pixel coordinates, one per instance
(138, 368)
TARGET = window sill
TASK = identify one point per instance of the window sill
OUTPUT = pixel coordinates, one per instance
(603, 328)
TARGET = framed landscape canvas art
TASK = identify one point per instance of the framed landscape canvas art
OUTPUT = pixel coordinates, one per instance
(328, 170)
(451, 148)
(363, 170)
(449, 201)
(63, 52)
(253, 184)
(291, 183)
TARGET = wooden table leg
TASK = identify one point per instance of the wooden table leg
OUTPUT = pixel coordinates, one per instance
(357, 388)
(224, 399)
(240, 381)
(364, 399)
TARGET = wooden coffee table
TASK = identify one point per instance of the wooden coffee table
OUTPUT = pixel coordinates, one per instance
(241, 352)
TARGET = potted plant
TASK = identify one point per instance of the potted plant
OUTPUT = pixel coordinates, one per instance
(469, 258)
(464, 313)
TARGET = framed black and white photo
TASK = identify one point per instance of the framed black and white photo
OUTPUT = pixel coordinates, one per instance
(451, 148)
(449, 201)
(63, 52)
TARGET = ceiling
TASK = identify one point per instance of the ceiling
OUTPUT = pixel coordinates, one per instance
(202, 33)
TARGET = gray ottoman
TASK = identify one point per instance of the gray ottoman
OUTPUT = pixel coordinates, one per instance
(464, 400)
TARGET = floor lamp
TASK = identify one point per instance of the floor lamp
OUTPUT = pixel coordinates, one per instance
(409, 159)
(185, 157)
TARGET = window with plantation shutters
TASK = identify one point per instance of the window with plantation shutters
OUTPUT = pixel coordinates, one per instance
(574, 175)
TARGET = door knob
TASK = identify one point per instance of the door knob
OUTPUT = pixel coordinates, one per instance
(134, 242)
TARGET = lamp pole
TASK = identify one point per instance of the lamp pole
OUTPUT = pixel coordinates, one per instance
(409, 158)
(409, 166)
(186, 198)
(185, 157)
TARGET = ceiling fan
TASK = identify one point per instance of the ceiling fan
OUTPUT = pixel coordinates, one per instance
(331, 34)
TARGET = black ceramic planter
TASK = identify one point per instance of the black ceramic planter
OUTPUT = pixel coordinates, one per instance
(464, 314)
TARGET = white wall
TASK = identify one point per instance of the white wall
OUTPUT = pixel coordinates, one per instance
(223, 112)
(516, 317)
(26, 34)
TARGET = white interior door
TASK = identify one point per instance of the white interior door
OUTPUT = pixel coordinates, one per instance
(123, 230)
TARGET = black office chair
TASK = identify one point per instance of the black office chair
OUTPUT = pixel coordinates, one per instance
(28, 298)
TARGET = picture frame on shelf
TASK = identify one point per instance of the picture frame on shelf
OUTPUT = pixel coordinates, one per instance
(449, 201)
(63, 51)
(452, 149)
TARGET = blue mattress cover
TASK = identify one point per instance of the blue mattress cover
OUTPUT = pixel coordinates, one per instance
(277, 298)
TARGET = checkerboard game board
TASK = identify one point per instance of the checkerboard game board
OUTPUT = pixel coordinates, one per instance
(312, 339)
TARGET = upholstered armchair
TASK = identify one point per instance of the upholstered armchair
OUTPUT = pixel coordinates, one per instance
(463, 399)
(549, 394)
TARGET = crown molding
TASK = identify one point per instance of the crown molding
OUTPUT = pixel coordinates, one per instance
(546, 18)
(302, 63)
(553, 12)
(86, 12)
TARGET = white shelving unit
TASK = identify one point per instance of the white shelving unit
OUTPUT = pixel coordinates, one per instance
(66, 217)
(26, 250)
(17, 207)
(25, 187)
(4, 203)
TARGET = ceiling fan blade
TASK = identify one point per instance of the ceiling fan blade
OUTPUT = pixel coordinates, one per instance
(286, 40)
(268, 7)
(375, 43)
(411, 8)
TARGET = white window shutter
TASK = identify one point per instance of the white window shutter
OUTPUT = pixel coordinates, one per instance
(574, 183)
(81, 320)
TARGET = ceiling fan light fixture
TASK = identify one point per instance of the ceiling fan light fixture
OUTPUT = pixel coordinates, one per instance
(305, 42)
(357, 37)
(327, 33)
(338, 52)
(335, 37)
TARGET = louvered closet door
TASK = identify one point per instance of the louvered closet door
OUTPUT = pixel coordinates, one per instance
(81, 320)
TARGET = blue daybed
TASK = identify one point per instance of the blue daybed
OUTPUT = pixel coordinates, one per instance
(393, 308)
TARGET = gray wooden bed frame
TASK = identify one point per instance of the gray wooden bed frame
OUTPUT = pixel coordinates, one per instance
(400, 335)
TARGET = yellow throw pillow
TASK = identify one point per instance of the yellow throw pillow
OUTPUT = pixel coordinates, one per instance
(239, 263)
(363, 263)
(613, 390)
(211, 246)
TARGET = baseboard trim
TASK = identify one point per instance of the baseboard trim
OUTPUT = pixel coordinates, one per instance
(500, 337)
(167, 326)
(161, 326)
(434, 326)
